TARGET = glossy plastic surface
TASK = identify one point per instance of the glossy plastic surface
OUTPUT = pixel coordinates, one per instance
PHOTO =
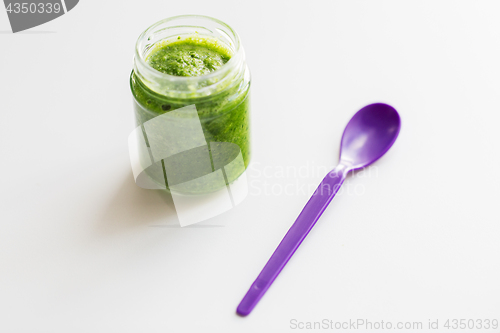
(368, 135)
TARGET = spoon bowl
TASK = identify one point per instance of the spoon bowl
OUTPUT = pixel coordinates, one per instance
(369, 135)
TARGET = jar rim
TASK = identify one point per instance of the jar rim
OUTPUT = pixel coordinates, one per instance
(139, 58)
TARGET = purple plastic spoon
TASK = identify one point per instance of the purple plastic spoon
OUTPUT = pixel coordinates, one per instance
(368, 135)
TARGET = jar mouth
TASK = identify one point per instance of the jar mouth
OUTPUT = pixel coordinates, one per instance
(186, 25)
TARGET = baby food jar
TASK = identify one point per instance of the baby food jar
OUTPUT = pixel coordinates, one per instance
(193, 132)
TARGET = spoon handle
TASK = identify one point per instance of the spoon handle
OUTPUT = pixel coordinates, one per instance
(294, 237)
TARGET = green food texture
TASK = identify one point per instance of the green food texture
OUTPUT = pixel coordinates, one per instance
(189, 57)
(224, 115)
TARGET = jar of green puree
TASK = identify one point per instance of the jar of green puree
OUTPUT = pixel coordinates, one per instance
(191, 85)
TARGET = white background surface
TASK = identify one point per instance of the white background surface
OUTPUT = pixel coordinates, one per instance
(82, 249)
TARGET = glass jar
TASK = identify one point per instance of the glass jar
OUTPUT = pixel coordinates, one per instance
(164, 106)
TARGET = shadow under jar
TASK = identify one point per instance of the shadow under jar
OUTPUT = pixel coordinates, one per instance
(187, 61)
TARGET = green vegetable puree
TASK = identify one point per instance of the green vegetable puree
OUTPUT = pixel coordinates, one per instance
(224, 114)
(189, 57)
